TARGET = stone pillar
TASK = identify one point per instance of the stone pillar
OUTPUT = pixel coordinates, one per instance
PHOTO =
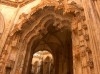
(82, 54)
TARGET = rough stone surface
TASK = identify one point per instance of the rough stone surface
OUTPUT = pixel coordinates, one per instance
(68, 29)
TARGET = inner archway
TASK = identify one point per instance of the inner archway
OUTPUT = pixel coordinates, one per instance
(59, 44)
(42, 63)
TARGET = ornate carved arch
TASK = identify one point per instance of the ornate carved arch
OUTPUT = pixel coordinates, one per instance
(42, 26)
(33, 27)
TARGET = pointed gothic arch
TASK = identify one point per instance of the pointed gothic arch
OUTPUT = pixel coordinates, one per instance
(50, 27)
(52, 30)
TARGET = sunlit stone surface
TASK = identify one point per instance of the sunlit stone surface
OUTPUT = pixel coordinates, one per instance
(49, 37)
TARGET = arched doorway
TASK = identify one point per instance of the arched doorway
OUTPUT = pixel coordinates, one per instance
(51, 31)
(48, 25)
(42, 63)
(58, 42)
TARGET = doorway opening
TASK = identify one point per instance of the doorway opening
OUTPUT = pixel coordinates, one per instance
(51, 38)
(42, 63)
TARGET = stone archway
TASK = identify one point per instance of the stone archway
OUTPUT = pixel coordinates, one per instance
(56, 41)
(48, 65)
(45, 63)
(50, 27)
(52, 30)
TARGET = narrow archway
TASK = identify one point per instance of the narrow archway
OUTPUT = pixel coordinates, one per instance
(42, 63)
(57, 42)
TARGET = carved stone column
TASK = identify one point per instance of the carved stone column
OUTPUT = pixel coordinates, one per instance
(81, 43)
